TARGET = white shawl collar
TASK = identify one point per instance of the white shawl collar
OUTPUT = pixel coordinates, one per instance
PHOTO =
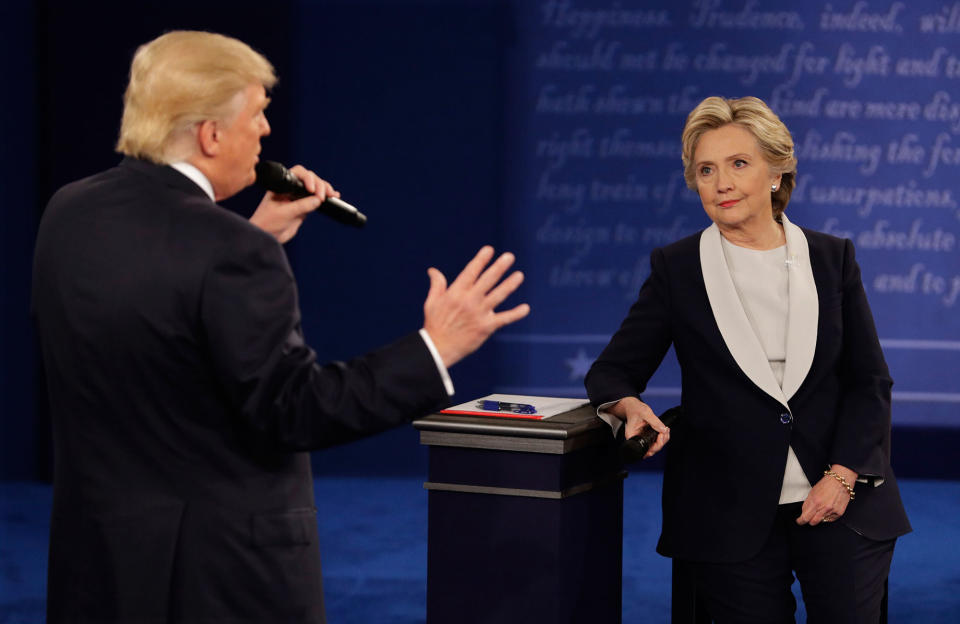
(738, 334)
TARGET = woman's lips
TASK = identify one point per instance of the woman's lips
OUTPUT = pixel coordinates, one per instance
(729, 203)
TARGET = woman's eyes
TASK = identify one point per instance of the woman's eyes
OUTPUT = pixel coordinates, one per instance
(706, 170)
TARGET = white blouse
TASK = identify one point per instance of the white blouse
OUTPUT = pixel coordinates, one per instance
(761, 280)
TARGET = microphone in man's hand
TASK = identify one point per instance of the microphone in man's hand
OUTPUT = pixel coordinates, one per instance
(275, 177)
(634, 449)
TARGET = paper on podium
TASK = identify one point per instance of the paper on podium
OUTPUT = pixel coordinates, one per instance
(544, 407)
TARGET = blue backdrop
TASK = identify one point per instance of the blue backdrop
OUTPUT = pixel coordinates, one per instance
(599, 95)
(550, 128)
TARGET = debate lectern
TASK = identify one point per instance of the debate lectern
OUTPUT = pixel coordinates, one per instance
(525, 519)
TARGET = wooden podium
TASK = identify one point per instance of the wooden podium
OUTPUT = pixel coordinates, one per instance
(525, 519)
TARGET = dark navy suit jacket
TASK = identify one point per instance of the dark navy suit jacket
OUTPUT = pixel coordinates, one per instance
(182, 396)
(726, 456)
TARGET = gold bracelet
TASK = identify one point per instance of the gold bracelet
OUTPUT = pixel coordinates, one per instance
(843, 482)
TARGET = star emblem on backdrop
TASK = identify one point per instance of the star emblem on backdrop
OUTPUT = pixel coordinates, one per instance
(579, 364)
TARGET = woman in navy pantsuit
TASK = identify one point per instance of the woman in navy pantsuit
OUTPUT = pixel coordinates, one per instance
(780, 464)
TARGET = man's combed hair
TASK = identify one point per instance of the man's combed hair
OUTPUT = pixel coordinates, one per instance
(181, 79)
(755, 116)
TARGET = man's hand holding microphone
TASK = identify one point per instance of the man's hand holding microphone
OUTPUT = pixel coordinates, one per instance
(459, 317)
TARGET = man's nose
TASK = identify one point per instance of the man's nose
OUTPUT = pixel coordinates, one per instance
(265, 129)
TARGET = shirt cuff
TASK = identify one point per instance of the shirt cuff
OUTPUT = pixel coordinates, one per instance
(447, 382)
(614, 421)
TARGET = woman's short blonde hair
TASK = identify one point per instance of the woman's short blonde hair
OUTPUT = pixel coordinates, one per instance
(180, 79)
(755, 116)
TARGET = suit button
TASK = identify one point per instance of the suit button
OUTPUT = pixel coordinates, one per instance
(786, 418)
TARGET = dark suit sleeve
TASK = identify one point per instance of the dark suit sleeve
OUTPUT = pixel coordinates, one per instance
(863, 424)
(251, 321)
(638, 347)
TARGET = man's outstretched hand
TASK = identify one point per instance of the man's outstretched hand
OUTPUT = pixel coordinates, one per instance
(461, 317)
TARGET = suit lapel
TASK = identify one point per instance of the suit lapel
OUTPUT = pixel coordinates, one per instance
(734, 326)
(731, 318)
(804, 311)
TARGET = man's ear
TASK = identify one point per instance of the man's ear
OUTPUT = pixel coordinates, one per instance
(208, 138)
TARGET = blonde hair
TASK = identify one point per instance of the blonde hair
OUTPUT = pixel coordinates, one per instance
(753, 115)
(180, 79)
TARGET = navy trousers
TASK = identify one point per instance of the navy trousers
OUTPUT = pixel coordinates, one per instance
(841, 573)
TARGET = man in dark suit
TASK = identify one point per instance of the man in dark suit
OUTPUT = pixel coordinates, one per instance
(181, 389)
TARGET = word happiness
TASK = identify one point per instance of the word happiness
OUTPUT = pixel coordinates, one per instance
(869, 88)
(587, 22)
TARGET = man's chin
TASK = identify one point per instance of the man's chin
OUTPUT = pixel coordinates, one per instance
(247, 182)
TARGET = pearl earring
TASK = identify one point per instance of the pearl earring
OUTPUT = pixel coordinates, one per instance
(773, 188)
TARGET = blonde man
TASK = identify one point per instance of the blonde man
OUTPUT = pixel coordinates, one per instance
(182, 392)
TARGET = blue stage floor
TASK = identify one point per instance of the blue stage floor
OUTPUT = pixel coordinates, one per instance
(373, 542)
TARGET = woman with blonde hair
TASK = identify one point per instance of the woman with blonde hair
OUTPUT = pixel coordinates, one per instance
(780, 464)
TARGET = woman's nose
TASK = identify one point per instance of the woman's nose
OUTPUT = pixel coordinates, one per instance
(724, 180)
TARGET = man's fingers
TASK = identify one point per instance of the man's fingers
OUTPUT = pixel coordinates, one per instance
(470, 272)
(306, 176)
(304, 205)
(489, 278)
(438, 284)
(460, 316)
(314, 183)
(291, 231)
(504, 289)
(510, 316)
(331, 192)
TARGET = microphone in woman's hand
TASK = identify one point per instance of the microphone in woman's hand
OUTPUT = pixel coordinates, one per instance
(634, 449)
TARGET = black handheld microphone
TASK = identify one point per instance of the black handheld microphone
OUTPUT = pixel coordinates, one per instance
(633, 449)
(275, 177)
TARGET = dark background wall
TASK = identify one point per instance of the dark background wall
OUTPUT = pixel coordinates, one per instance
(441, 120)
(398, 104)
(18, 422)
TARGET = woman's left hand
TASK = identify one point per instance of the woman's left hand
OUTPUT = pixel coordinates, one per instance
(828, 499)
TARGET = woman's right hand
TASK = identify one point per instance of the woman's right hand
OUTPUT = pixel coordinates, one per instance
(638, 416)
